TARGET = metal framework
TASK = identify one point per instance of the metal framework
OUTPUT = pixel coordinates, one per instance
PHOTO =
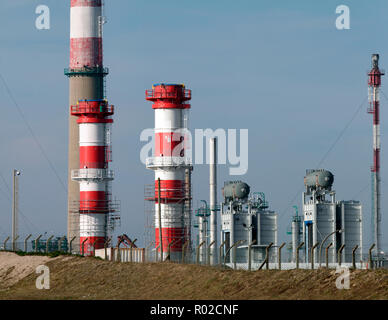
(168, 215)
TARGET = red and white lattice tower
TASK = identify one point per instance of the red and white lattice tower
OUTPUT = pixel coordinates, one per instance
(170, 163)
(93, 175)
(374, 83)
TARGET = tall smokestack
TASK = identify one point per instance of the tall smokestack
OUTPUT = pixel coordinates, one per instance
(170, 164)
(86, 81)
(374, 83)
(213, 199)
(95, 206)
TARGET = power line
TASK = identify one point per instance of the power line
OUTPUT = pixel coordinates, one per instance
(32, 132)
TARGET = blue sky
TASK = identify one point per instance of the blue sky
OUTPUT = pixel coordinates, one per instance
(278, 68)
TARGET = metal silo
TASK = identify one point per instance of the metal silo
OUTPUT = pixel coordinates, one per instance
(350, 215)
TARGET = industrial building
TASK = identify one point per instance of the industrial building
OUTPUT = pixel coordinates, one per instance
(326, 220)
(245, 217)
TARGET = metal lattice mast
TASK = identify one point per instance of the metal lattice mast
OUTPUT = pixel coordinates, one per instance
(374, 84)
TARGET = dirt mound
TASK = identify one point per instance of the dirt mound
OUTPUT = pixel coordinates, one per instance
(90, 278)
(13, 268)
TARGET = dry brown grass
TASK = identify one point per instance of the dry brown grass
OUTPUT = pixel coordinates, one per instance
(89, 278)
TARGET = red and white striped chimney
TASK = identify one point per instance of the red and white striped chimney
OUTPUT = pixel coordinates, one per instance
(374, 83)
(170, 162)
(85, 33)
(93, 174)
(86, 81)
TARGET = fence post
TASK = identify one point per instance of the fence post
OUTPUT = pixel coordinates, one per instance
(199, 246)
(71, 245)
(340, 254)
(327, 254)
(25, 242)
(208, 251)
(266, 260)
(14, 244)
(36, 243)
(5, 244)
(250, 254)
(370, 256)
(83, 246)
(221, 245)
(94, 247)
(297, 254)
(267, 255)
(131, 251)
(106, 249)
(233, 245)
(156, 253)
(169, 250)
(47, 243)
(354, 256)
(312, 254)
(280, 255)
(184, 251)
(146, 251)
(60, 243)
(234, 256)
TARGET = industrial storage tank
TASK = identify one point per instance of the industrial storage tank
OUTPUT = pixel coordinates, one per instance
(319, 178)
(235, 190)
(349, 213)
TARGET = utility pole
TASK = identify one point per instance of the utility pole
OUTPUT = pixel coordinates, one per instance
(15, 207)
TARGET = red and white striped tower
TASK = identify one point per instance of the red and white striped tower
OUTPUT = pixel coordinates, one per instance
(85, 33)
(93, 174)
(170, 163)
(86, 81)
(374, 83)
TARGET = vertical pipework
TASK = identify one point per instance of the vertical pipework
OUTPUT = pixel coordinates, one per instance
(170, 163)
(86, 81)
(374, 83)
(213, 199)
(93, 174)
(188, 172)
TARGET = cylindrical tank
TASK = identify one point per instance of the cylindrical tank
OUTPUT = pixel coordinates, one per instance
(319, 178)
(235, 190)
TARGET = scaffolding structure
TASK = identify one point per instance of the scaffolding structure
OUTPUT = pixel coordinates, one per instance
(180, 213)
(111, 207)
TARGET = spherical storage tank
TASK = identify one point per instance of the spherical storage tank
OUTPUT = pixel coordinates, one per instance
(235, 190)
(319, 178)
